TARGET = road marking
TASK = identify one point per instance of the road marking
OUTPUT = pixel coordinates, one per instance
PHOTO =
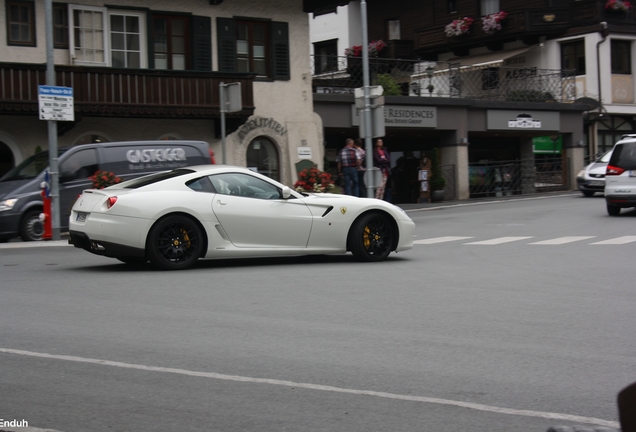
(617, 241)
(562, 240)
(212, 375)
(497, 241)
(440, 240)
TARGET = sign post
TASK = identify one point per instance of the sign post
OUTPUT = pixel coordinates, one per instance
(230, 101)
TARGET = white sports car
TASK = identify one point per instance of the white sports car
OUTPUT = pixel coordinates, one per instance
(173, 218)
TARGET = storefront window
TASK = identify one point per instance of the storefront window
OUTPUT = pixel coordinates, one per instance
(262, 156)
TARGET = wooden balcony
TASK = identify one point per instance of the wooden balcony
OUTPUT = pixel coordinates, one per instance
(109, 92)
(582, 16)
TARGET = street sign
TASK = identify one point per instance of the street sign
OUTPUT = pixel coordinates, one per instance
(56, 103)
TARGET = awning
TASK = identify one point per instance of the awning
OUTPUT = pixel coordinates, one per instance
(491, 59)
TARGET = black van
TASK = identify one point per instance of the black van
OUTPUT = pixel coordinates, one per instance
(20, 191)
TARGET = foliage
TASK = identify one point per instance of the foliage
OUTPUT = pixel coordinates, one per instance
(390, 86)
(529, 96)
(314, 180)
(458, 27)
(103, 179)
(618, 5)
(492, 22)
(437, 181)
(374, 48)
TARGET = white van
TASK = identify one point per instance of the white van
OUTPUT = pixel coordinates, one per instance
(620, 176)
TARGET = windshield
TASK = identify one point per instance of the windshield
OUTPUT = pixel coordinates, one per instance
(30, 168)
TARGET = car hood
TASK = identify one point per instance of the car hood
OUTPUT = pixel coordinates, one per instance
(13, 188)
(597, 168)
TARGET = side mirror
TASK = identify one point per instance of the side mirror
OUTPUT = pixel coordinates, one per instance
(286, 192)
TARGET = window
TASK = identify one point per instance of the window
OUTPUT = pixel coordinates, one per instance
(573, 57)
(254, 46)
(451, 6)
(244, 185)
(79, 165)
(621, 57)
(127, 39)
(20, 23)
(88, 43)
(60, 25)
(171, 42)
(489, 6)
(326, 56)
(251, 47)
(393, 30)
(262, 157)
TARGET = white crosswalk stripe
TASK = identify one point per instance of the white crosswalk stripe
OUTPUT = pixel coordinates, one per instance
(562, 240)
(617, 241)
(502, 240)
(440, 240)
(497, 241)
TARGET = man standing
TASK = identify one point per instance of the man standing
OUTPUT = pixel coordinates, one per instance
(348, 167)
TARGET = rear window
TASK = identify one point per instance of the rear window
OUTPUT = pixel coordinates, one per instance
(154, 178)
(624, 156)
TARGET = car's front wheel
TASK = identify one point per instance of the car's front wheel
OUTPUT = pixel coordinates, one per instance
(31, 228)
(613, 210)
(588, 193)
(371, 237)
(174, 243)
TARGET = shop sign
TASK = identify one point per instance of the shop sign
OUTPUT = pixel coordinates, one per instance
(304, 152)
(523, 120)
(404, 116)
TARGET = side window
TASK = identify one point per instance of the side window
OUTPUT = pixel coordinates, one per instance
(202, 184)
(244, 185)
(20, 23)
(79, 165)
(256, 46)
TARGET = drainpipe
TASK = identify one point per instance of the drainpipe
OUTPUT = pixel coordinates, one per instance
(604, 32)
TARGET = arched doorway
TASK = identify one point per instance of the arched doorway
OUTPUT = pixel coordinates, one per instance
(7, 161)
(262, 156)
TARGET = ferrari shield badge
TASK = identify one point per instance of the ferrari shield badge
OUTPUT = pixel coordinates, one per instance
(343, 210)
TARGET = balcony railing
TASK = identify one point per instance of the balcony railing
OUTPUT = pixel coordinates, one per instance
(446, 80)
(123, 92)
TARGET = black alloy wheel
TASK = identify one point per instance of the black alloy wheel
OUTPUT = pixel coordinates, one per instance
(371, 237)
(174, 243)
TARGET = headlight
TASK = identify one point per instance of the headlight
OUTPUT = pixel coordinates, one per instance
(8, 204)
(581, 173)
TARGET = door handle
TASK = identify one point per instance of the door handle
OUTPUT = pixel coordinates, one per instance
(222, 202)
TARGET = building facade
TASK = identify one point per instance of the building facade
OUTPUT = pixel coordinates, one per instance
(143, 70)
(467, 64)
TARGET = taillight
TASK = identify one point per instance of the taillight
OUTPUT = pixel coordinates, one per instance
(111, 201)
(612, 170)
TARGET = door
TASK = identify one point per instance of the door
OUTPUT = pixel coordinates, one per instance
(253, 213)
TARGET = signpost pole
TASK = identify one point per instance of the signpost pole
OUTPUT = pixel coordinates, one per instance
(52, 124)
(223, 106)
(366, 111)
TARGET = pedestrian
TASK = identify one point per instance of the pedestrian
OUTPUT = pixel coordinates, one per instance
(348, 167)
(362, 188)
(382, 160)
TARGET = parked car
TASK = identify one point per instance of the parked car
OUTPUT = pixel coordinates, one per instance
(20, 188)
(620, 177)
(591, 179)
(174, 218)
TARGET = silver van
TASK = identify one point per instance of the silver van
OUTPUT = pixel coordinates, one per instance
(20, 193)
(620, 176)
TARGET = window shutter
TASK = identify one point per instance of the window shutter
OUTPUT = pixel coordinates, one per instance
(226, 33)
(280, 50)
(201, 43)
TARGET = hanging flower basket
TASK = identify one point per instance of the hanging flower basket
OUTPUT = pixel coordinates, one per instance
(458, 27)
(618, 5)
(374, 47)
(491, 23)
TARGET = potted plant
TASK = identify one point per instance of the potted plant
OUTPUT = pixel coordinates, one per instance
(458, 27)
(103, 179)
(314, 180)
(437, 181)
(491, 23)
(618, 5)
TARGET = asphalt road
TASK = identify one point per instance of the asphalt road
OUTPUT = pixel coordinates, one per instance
(506, 316)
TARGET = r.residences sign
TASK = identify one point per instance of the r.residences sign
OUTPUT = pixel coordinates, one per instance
(404, 116)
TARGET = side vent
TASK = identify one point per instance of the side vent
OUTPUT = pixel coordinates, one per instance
(327, 211)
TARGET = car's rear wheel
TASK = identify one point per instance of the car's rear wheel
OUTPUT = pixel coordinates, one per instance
(371, 237)
(613, 210)
(31, 228)
(174, 243)
(588, 193)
